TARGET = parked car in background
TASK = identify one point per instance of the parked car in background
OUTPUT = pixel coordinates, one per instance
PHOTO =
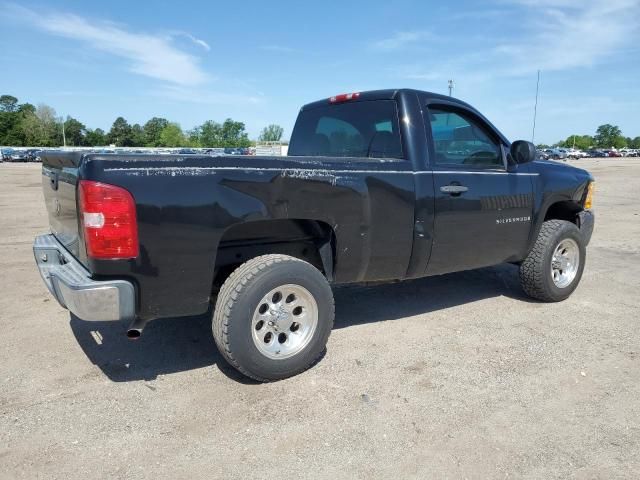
(614, 153)
(234, 151)
(542, 155)
(558, 154)
(19, 156)
(6, 154)
(33, 155)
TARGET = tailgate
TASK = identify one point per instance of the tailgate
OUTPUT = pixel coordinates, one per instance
(59, 179)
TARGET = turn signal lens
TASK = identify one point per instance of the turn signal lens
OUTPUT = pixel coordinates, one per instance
(589, 198)
(108, 218)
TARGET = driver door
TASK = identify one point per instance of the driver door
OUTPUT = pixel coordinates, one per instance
(482, 210)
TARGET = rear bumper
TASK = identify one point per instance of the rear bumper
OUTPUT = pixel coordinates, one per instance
(586, 222)
(71, 284)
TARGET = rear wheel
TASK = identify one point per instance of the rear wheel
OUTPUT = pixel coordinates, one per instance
(554, 266)
(273, 317)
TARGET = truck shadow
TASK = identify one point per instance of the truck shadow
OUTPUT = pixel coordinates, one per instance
(359, 304)
(166, 346)
(181, 344)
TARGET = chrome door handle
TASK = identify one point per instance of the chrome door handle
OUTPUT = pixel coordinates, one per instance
(453, 189)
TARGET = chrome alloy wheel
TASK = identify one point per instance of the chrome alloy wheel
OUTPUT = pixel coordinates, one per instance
(565, 263)
(284, 321)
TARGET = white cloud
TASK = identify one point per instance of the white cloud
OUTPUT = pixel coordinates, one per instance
(554, 35)
(195, 40)
(567, 34)
(150, 55)
(401, 39)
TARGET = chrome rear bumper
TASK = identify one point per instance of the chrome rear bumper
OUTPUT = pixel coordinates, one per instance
(71, 284)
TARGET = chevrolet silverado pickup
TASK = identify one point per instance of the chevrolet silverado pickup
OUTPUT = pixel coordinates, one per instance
(377, 186)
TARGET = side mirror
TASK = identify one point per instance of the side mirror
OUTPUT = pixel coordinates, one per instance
(523, 151)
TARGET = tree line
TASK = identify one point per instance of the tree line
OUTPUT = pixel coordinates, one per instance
(607, 136)
(27, 125)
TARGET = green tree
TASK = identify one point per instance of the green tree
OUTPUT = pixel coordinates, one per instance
(32, 130)
(213, 134)
(193, 137)
(8, 103)
(634, 143)
(172, 136)
(120, 133)
(74, 132)
(271, 133)
(26, 108)
(152, 130)
(210, 134)
(95, 138)
(581, 142)
(608, 136)
(234, 135)
(8, 121)
(138, 138)
(51, 126)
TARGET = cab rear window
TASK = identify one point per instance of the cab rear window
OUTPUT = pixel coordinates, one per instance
(358, 129)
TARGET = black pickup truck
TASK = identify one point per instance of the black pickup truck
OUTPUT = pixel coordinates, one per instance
(377, 186)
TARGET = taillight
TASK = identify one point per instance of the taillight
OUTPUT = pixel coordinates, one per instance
(344, 97)
(108, 217)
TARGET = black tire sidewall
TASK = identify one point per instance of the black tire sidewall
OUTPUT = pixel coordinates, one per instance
(566, 231)
(239, 330)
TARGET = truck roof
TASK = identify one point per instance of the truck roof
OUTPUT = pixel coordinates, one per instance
(389, 94)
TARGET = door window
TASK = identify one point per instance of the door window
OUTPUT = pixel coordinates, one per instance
(462, 140)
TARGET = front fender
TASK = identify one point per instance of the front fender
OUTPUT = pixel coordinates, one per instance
(556, 183)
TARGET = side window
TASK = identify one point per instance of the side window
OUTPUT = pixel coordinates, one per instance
(359, 129)
(461, 140)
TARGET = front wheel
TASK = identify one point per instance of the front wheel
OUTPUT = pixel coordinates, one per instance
(273, 317)
(554, 266)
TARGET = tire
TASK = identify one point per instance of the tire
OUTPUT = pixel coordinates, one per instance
(241, 323)
(539, 277)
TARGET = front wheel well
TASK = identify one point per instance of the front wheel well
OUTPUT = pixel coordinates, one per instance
(563, 210)
(310, 240)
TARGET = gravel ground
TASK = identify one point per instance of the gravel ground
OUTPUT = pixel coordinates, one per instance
(458, 376)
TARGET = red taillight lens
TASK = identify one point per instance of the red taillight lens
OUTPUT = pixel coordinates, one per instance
(108, 218)
(344, 97)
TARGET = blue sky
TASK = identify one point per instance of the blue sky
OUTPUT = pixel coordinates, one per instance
(258, 62)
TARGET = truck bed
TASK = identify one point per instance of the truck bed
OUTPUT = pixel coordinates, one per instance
(188, 205)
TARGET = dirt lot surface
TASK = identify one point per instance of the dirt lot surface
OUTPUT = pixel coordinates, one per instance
(458, 376)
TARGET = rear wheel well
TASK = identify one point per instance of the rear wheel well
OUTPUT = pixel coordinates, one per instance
(310, 240)
(564, 210)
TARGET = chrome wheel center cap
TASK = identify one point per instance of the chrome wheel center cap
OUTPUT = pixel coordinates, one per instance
(280, 317)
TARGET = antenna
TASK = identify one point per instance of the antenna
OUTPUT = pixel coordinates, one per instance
(450, 87)
(535, 109)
